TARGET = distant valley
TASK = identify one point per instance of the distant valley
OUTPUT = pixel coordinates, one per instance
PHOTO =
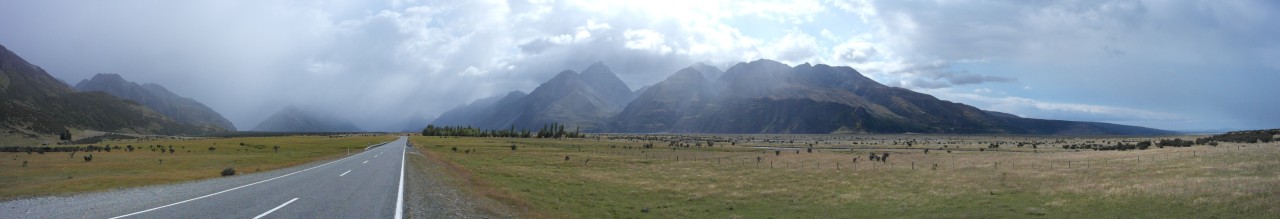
(295, 119)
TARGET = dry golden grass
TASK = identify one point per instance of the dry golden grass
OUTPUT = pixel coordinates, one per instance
(61, 173)
(727, 181)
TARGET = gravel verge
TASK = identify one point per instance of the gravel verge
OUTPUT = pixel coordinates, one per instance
(431, 192)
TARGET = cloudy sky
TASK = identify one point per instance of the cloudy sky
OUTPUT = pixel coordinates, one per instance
(1178, 65)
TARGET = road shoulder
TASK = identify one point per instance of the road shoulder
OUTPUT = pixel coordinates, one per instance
(433, 191)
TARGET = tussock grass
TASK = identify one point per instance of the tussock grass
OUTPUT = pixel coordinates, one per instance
(59, 174)
(727, 181)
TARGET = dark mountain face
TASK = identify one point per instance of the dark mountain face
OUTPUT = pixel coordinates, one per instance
(583, 101)
(765, 96)
(294, 119)
(566, 99)
(156, 98)
(482, 112)
(662, 105)
(606, 83)
(35, 105)
(711, 73)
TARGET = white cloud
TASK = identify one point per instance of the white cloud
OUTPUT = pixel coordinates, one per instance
(854, 52)
(644, 39)
(793, 48)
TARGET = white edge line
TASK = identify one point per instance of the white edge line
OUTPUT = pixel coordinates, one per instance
(400, 194)
(274, 209)
(344, 173)
(228, 190)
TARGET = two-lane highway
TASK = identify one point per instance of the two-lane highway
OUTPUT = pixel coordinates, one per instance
(365, 185)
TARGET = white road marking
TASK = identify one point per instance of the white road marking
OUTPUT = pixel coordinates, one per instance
(274, 209)
(228, 190)
(400, 195)
(344, 173)
(365, 162)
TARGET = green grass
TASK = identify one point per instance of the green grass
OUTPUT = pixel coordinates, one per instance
(59, 173)
(617, 183)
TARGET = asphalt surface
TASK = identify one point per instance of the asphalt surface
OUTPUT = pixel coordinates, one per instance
(365, 185)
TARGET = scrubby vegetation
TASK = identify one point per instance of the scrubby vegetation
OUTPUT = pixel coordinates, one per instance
(1250, 136)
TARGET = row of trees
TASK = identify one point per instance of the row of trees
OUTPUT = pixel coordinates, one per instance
(554, 130)
(468, 131)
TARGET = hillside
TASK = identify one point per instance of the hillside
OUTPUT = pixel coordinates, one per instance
(35, 105)
(157, 98)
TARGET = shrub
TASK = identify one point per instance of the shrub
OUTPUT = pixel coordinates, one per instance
(513, 147)
(228, 171)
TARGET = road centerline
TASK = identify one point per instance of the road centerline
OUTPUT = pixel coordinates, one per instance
(344, 173)
(274, 209)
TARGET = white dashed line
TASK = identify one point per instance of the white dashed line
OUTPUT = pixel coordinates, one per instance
(365, 162)
(344, 173)
(228, 190)
(277, 208)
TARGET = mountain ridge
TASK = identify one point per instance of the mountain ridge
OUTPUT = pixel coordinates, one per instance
(766, 96)
(157, 98)
(36, 105)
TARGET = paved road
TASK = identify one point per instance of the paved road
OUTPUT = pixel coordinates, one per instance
(365, 185)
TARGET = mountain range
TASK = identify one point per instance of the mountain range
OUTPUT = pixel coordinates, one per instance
(35, 105)
(762, 96)
(294, 119)
(586, 100)
(156, 98)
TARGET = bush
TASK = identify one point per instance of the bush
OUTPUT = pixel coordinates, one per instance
(228, 171)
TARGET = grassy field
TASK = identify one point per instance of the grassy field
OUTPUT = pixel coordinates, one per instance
(743, 177)
(62, 173)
